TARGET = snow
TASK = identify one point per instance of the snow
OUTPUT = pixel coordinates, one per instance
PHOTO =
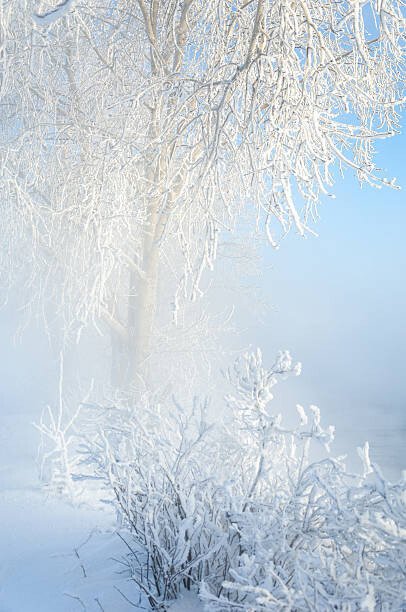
(39, 568)
(51, 16)
(187, 602)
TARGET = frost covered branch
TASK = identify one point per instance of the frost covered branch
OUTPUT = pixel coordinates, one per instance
(135, 132)
(51, 16)
(241, 512)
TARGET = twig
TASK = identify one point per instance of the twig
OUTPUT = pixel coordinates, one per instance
(77, 599)
(129, 601)
(99, 604)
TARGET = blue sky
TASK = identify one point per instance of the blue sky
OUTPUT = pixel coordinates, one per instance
(339, 304)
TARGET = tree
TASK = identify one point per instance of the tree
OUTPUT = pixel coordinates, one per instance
(135, 131)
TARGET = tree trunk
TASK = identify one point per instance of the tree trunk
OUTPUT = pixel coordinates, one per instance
(142, 306)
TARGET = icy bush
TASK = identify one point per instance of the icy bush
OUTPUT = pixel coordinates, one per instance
(242, 513)
(58, 459)
(57, 456)
(157, 462)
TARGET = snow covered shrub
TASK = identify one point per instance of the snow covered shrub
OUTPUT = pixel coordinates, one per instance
(157, 460)
(330, 546)
(242, 512)
(59, 429)
(57, 456)
(311, 535)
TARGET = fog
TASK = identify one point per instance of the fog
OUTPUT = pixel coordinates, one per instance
(338, 302)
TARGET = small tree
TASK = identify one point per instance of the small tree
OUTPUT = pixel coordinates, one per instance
(134, 131)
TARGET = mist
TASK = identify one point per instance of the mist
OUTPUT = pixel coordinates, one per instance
(202, 349)
(338, 302)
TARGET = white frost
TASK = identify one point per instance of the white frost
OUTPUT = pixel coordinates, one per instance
(51, 16)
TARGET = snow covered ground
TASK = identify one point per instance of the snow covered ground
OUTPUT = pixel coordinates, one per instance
(53, 557)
